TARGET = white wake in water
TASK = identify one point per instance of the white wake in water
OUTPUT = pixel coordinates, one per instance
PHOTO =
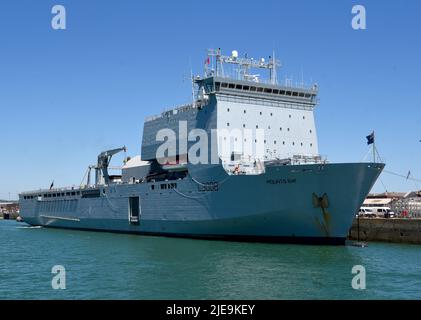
(30, 227)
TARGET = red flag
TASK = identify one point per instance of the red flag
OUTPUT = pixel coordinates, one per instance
(207, 61)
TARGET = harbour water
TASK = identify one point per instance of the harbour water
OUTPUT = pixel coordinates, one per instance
(113, 266)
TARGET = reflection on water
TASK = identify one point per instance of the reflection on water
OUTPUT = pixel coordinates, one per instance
(102, 266)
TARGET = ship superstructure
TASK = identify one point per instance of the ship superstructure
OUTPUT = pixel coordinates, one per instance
(241, 161)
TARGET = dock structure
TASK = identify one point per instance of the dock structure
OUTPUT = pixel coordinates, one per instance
(398, 230)
(9, 209)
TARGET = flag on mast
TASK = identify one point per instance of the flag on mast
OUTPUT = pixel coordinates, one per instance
(409, 173)
(370, 138)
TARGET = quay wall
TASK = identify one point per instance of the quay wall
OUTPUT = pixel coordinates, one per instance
(397, 230)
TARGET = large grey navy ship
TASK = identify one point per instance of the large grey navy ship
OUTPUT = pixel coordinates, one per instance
(240, 162)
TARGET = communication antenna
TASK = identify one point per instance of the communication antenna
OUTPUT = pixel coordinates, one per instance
(193, 103)
(273, 69)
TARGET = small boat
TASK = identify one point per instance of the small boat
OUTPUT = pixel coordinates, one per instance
(360, 244)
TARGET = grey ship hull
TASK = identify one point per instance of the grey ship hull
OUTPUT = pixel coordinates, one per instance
(281, 205)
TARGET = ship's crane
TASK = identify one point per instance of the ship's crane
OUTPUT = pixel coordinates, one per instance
(101, 169)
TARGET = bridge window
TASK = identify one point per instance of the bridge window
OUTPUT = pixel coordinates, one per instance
(246, 88)
(282, 92)
(252, 88)
(295, 94)
(259, 89)
(224, 85)
(231, 86)
(276, 91)
(301, 94)
(239, 86)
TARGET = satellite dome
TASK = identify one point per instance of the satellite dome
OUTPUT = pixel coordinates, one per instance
(234, 54)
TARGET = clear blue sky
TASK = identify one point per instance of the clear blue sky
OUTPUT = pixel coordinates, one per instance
(67, 95)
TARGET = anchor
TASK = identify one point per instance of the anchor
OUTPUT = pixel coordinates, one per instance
(323, 203)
